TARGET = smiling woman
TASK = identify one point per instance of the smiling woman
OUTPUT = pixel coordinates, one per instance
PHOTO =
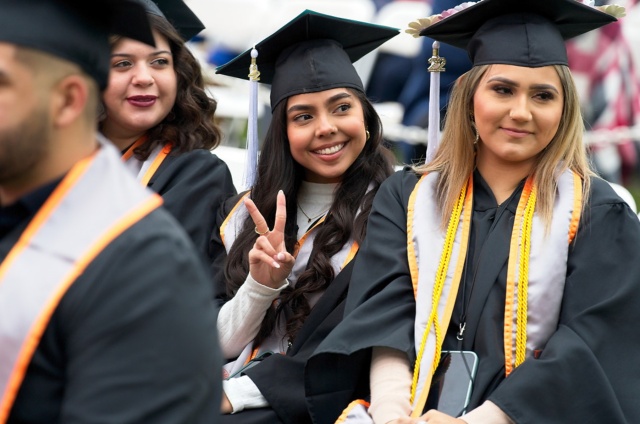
(505, 246)
(326, 133)
(158, 114)
(142, 89)
(321, 163)
(516, 113)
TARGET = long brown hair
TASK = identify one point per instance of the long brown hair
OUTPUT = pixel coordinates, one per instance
(190, 123)
(347, 216)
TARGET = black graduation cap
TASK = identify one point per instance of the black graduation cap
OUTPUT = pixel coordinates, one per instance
(74, 30)
(178, 14)
(312, 52)
(517, 32)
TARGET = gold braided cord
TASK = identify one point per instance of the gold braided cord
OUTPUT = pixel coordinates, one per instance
(513, 269)
(441, 274)
(523, 280)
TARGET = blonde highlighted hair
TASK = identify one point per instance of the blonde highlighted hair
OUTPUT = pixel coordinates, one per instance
(455, 158)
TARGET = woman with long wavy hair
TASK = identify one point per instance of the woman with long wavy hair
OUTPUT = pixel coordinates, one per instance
(157, 112)
(290, 239)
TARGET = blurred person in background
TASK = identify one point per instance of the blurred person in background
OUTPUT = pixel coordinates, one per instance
(608, 80)
(106, 310)
(413, 82)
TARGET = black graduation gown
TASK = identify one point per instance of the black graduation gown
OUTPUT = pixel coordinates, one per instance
(280, 378)
(132, 340)
(586, 373)
(193, 185)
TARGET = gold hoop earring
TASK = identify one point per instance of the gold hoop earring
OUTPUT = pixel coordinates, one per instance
(367, 133)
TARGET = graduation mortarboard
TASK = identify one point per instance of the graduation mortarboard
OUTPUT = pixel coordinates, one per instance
(74, 30)
(527, 33)
(312, 52)
(178, 13)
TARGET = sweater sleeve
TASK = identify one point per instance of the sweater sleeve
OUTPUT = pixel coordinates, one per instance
(240, 318)
(243, 394)
(390, 380)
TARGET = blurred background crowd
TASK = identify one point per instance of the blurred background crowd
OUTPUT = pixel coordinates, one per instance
(605, 65)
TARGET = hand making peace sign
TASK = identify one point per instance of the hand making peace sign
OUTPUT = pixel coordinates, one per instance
(269, 262)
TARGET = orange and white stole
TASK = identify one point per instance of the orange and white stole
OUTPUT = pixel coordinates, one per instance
(535, 275)
(93, 204)
(144, 170)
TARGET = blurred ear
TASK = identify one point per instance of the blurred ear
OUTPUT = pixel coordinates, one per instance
(69, 100)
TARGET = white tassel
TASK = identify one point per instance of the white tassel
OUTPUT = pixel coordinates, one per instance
(252, 124)
(436, 65)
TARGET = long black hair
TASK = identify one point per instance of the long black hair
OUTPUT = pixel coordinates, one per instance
(278, 170)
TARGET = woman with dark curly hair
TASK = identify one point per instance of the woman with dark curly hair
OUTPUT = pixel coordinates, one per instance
(157, 112)
(291, 237)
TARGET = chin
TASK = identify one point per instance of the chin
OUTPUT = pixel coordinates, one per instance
(145, 124)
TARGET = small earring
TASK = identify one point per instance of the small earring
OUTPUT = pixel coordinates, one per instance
(367, 133)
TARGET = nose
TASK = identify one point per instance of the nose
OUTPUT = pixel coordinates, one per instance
(325, 127)
(142, 77)
(520, 110)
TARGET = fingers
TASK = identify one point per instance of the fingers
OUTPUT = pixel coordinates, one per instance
(281, 212)
(261, 224)
(269, 261)
(265, 252)
(286, 260)
(268, 267)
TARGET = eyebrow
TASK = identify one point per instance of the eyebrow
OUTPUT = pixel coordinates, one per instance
(515, 84)
(332, 99)
(156, 53)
